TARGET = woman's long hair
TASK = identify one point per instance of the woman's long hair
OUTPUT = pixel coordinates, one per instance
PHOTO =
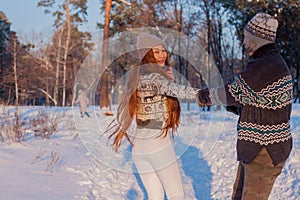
(127, 107)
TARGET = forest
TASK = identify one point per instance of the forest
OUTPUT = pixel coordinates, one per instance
(45, 73)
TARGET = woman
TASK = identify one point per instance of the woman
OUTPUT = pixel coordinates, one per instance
(151, 100)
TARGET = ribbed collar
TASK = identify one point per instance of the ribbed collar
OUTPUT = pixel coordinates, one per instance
(264, 49)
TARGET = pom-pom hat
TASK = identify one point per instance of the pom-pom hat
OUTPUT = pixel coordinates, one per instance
(259, 31)
(264, 26)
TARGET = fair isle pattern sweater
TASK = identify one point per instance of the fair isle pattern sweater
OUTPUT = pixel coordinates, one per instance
(273, 96)
(152, 91)
(264, 94)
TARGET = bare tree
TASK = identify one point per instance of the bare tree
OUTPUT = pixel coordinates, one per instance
(58, 64)
(15, 71)
(66, 51)
(66, 21)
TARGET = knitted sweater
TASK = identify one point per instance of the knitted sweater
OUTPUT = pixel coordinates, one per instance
(152, 91)
(264, 94)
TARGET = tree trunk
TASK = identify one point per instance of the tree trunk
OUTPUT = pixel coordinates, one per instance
(56, 86)
(15, 72)
(47, 83)
(103, 82)
(66, 50)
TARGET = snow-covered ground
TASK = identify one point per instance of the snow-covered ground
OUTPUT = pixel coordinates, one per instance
(76, 162)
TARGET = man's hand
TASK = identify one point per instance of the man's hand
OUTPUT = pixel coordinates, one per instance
(203, 98)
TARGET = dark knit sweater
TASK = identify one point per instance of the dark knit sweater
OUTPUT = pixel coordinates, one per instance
(263, 94)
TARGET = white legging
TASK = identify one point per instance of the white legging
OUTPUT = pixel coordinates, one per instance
(157, 165)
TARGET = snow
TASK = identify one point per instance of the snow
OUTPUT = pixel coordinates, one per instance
(77, 162)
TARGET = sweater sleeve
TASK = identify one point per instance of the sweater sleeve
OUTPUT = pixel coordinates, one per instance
(224, 96)
(169, 88)
(275, 95)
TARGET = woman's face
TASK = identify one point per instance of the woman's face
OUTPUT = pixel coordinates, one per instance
(160, 54)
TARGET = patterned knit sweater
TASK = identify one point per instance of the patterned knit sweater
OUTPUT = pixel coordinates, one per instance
(152, 91)
(264, 94)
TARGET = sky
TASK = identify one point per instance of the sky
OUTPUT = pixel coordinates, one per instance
(27, 18)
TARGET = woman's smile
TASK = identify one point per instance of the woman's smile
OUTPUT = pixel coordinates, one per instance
(160, 54)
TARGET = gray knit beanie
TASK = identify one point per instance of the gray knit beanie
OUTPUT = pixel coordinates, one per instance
(146, 41)
(261, 30)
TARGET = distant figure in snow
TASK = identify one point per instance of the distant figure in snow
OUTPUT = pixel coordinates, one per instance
(83, 102)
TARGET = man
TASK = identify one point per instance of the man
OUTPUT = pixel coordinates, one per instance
(262, 96)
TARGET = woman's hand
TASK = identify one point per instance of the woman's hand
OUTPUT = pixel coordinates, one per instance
(169, 72)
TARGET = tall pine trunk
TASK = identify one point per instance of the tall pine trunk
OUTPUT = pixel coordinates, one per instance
(103, 82)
